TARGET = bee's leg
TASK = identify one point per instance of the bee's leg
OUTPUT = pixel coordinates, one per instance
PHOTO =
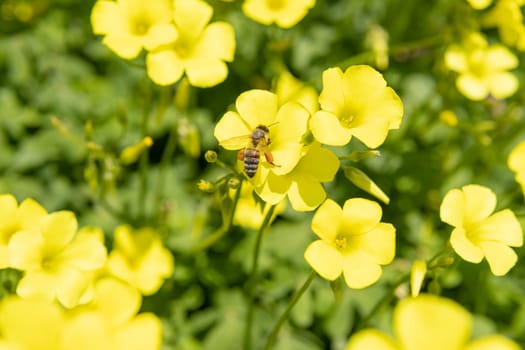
(269, 158)
(240, 155)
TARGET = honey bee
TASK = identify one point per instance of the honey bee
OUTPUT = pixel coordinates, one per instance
(258, 142)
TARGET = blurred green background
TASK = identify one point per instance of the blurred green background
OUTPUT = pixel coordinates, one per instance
(69, 106)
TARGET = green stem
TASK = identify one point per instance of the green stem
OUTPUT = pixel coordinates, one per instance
(204, 244)
(144, 159)
(167, 154)
(253, 279)
(298, 294)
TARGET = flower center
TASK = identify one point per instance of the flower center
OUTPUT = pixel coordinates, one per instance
(341, 242)
(184, 48)
(275, 4)
(347, 119)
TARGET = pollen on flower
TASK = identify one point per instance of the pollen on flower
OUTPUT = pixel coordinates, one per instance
(341, 242)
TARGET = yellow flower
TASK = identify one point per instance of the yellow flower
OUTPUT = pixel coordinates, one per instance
(27, 324)
(507, 17)
(303, 184)
(130, 25)
(110, 321)
(290, 89)
(284, 13)
(55, 259)
(482, 68)
(516, 163)
(479, 234)
(356, 103)
(432, 323)
(139, 258)
(353, 242)
(250, 212)
(287, 125)
(199, 51)
(479, 4)
(13, 218)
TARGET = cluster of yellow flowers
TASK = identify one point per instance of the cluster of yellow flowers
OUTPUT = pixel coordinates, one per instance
(482, 68)
(355, 103)
(72, 294)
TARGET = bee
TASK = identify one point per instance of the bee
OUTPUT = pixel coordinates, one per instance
(258, 142)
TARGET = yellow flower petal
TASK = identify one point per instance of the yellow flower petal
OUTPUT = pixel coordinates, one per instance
(360, 216)
(464, 247)
(106, 18)
(516, 160)
(326, 220)
(126, 46)
(160, 34)
(70, 285)
(41, 320)
(291, 14)
(455, 59)
(58, 229)
(327, 129)
(144, 332)
(31, 214)
(479, 202)
(274, 189)
(422, 323)
(362, 86)
(257, 107)
(86, 331)
(500, 257)
(285, 156)
(332, 98)
(37, 285)
(325, 259)
(372, 132)
(8, 209)
(217, 41)
(25, 250)
(191, 16)
(117, 300)
(472, 87)
(359, 270)
(164, 67)
(86, 252)
(503, 85)
(370, 339)
(503, 227)
(306, 193)
(380, 243)
(320, 163)
(292, 124)
(157, 265)
(500, 58)
(206, 72)
(230, 129)
(492, 342)
(452, 208)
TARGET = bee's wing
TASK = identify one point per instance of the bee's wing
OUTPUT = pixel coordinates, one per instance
(237, 142)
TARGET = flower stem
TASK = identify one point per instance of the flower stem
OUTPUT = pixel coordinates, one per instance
(204, 244)
(253, 279)
(295, 298)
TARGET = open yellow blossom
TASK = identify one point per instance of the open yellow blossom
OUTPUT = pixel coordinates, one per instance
(111, 322)
(303, 184)
(353, 242)
(290, 89)
(250, 211)
(432, 323)
(139, 258)
(506, 15)
(14, 218)
(516, 163)
(479, 234)
(55, 259)
(287, 124)
(130, 25)
(200, 50)
(284, 13)
(27, 324)
(482, 68)
(356, 103)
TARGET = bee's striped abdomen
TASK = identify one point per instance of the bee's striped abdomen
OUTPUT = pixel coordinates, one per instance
(251, 161)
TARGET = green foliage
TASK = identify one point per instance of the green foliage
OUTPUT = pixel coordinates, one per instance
(69, 106)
